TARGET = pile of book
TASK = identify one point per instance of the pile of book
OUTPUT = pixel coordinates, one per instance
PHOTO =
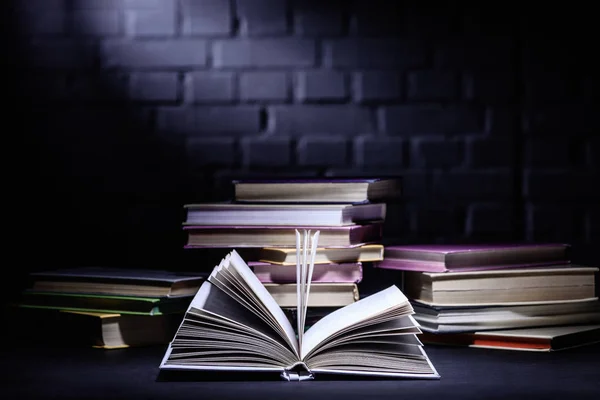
(306, 241)
(104, 307)
(513, 296)
(260, 224)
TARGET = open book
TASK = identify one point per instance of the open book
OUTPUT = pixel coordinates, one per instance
(234, 324)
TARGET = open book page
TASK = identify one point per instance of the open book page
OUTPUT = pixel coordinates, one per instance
(353, 314)
(311, 267)
(398, 330)
(389, 347)
(299, 263)
(385, 362)
(219, 332)
(259, 293)
(227, 280)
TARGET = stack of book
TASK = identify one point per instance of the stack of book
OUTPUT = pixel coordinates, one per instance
(105, 307)
(261, 221)
(517, 296)
(309, 240)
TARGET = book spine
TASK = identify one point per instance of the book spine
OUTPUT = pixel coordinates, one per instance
(371, 233)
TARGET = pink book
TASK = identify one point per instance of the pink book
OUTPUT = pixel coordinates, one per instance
(322, 273)
(215, 236)
(473, 257)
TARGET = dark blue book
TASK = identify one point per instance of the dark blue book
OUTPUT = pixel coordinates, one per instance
(118, 281)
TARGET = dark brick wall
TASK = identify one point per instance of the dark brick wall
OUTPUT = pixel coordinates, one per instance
(124, 110)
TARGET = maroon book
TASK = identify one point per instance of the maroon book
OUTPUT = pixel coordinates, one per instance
(473, 257)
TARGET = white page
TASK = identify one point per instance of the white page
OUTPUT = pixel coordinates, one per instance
(304, 272)
(264, 296)
(301, 307)
(298, 289)
(350, 315)
(309, 266)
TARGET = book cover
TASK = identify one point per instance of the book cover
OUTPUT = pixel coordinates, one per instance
(541, 339)
(117, 281)
(460, 319)
(103, 303)
(323, 190)
(323, 255)
(121, 274)
(240, 214)
(472, 257)
(279, 236)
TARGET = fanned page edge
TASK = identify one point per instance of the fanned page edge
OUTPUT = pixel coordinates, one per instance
(309, 265)
(298, 290)
(433, 375)
(385, 298)
(164, 366)
(197, 302)
(265, 297)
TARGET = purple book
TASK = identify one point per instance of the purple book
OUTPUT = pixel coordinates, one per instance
(322, 273)
(220, 236)
(473, 257)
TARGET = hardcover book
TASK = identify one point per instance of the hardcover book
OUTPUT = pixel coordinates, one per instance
(323, 273)
(237, 214)
(503, 286)
(94, 329)
(118, 281)
(104, 303)
(460, 319)
(544, 339)
(318, 190)
(324, 255)
(454, 257)
(321, 294)
(234, 324)
(200, 236)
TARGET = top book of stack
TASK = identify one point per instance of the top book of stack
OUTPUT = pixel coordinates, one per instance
(474, 257)
(318, 190)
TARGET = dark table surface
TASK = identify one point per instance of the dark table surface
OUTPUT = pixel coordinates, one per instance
(86, 373)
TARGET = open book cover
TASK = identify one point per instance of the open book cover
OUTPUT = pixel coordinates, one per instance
(234, 324)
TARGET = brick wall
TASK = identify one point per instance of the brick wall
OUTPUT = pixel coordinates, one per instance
(127, 109)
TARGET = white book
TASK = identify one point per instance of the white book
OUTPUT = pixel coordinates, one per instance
(475, 319)
(234, 324)
(237, 214)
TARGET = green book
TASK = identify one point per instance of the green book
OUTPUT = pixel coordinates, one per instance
(104, 303)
